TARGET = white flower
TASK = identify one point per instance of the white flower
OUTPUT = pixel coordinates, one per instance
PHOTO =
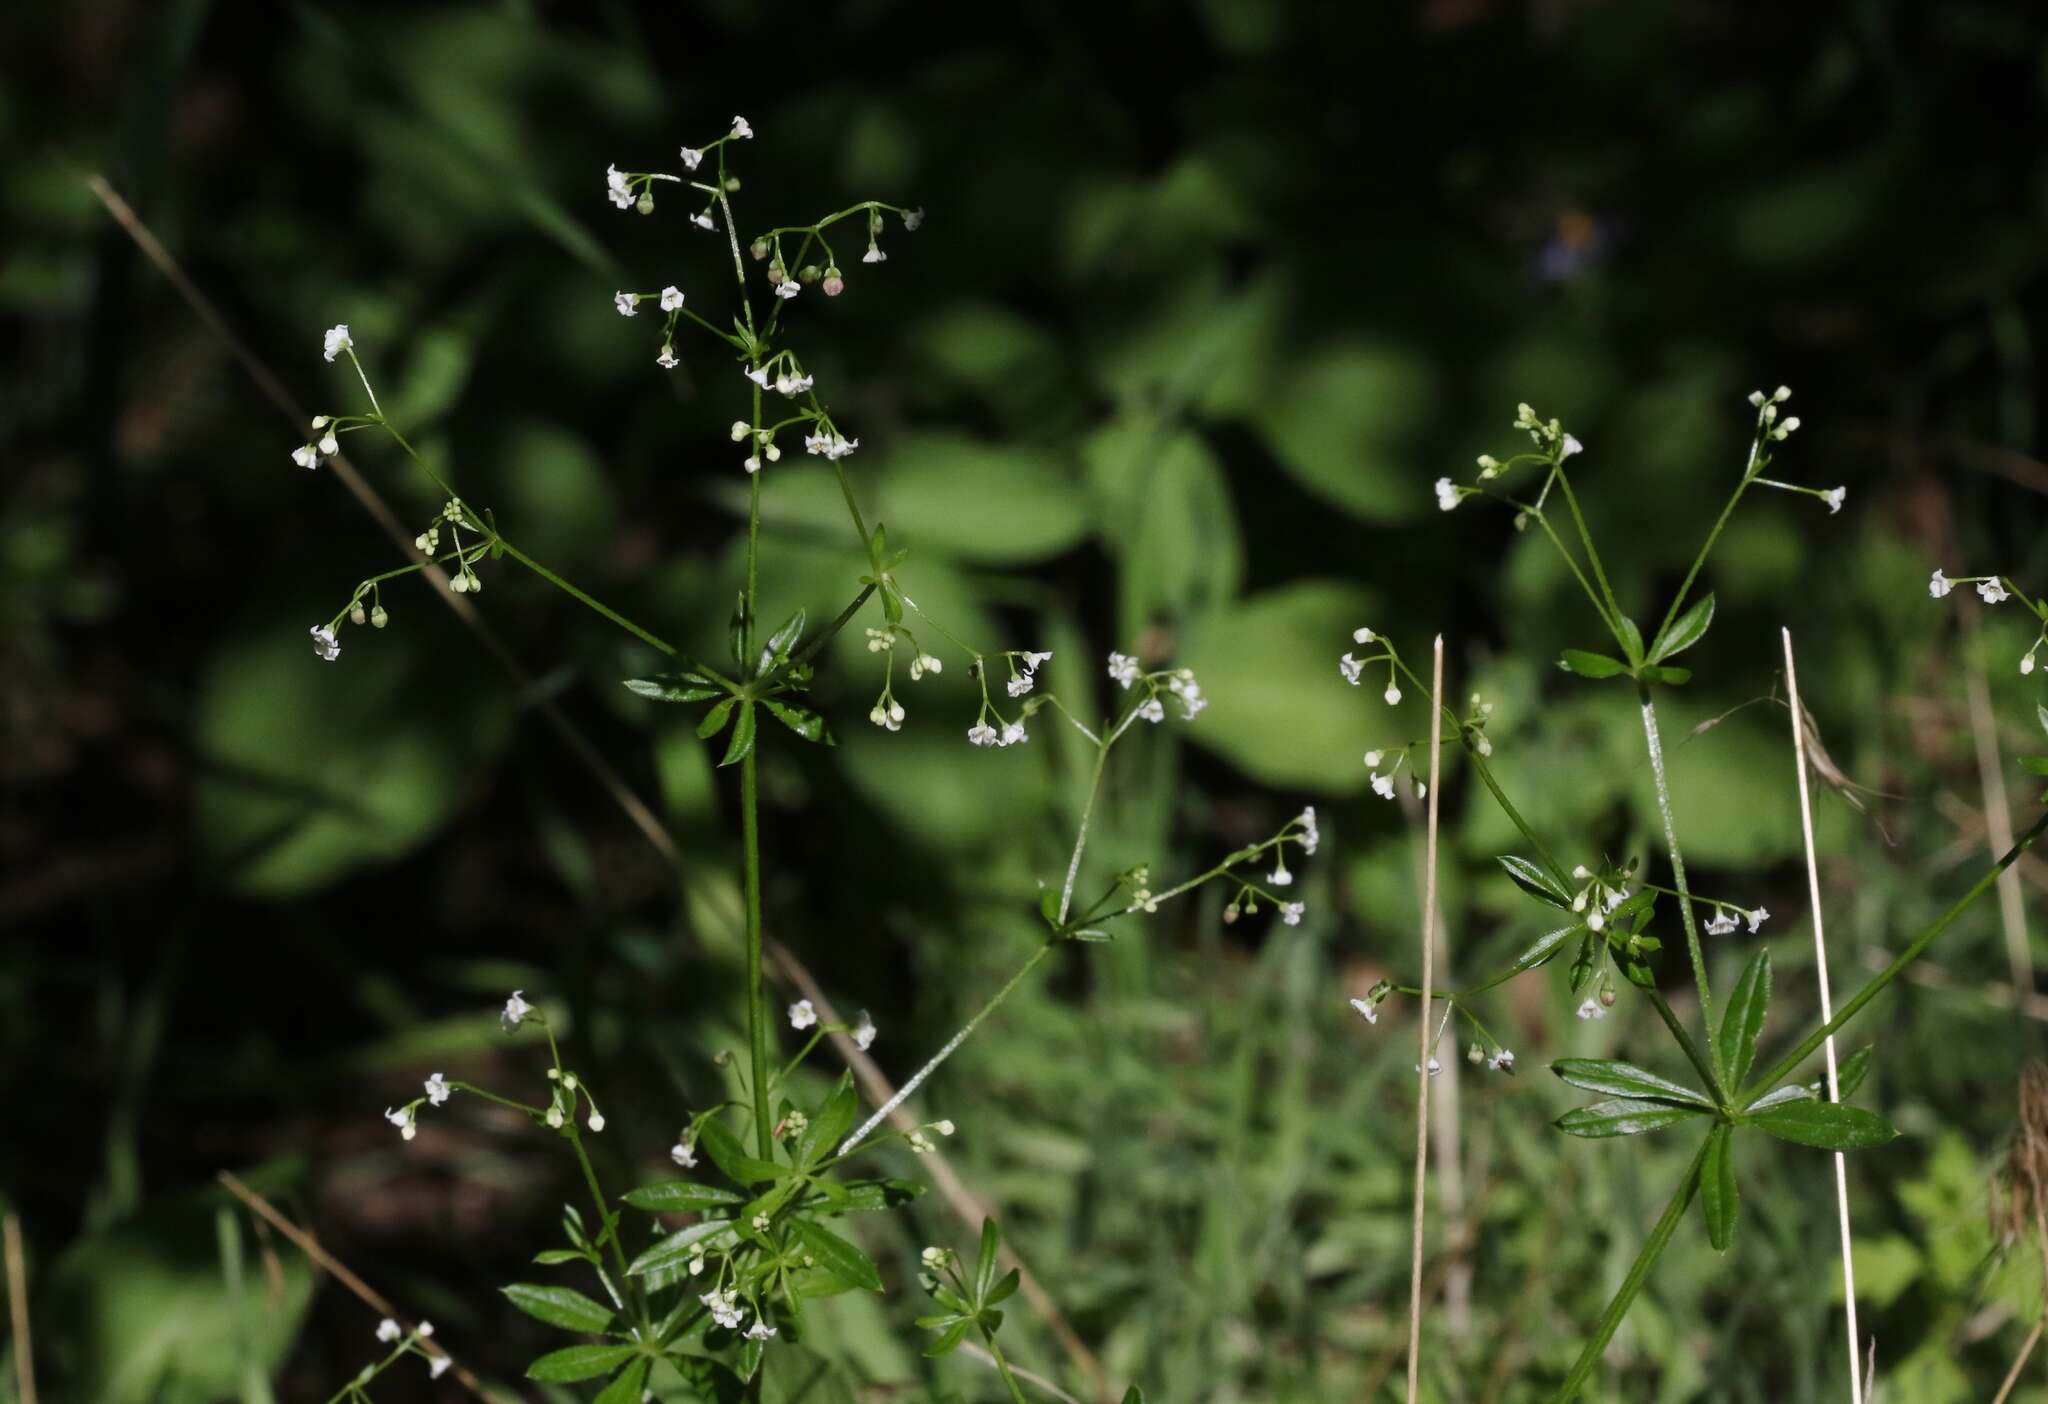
(330, 445)
(802, 1015)
(1280, 877)
(438, 1366)
(1383, 785)
(793, 385)
(692, 158)
(889, 718)
(1362, 635)
(325, 645)
(740, 129)
(1393, 692)
(554, 1117)
(1446, 495)
(1013, 732)
(1721, 922)
(724, 1309)
(864, 1032)
(1503, 1061)
(944, 1128)
(1152, 710)
(389, 1330)
(1310, 834)
(933, 1258)
(1191, 700)
(1833, 497)
(1571, 446)
(1365, 1007)
(403, 1120)
(702, 219)
(1031, 661)
(760, 1330)
(596, 1120)
(306, 456)
(424, 1329)
(338, 341)
(759, 375)
(920, 1143)
(913, 218)
(1937, 588)
(671, 298)
(1373, 759)
(1351, 668)
(437, 1089)
(683, 1154)
(788, 288)
(1993, 590)
(981, 734)
(1591, 1008)
(2027, 663)
(1123, 669)
(1291, 912)
(516, 1009)
(1019, 684)
(618, 188)
(752, 463)
(667, 359)
(1756, 919)
(627, 303)
(874, 255)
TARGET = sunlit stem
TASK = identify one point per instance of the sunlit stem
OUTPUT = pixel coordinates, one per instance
(1664, 809)
(651, 640)
(757, 1001)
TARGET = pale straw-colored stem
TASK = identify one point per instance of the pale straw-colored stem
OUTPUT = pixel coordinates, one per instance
(1998, 826)
(1827, 1012)
(17, 1305)
(1424, 1036)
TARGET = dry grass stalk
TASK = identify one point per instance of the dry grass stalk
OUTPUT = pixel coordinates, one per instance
(1424, 1036)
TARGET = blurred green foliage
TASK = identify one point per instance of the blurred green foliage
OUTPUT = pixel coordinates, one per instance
(1209, 294)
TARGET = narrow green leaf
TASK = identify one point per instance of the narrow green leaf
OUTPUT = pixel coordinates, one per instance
(1623, 1117)
(676, 687)
(626, 1385)
(1631, 640)
(555, 1257)
(679, 1197)
(781, 642)
(985, 1260)
(1004, 1289)
(1742, 1021)
(742, 736)
(1849, 1074)
(579, 1362)
(1618, 1079)
(736, 632)
(1543, 948)
(1534, 881)
(1685, 631)
(1134, 1395)
(829, 1122)
(1591, 665)
(559, 1306)
(949, 1340)
(2036, 765)
(837, 1256)
(680, 1246)
(1718, 1195)
(729, 1155)
(2041, 715)
(1790, 1092)
(1668, 674)
(802, 720)
(868, 1197)
(714, 720)
(1828, 1125)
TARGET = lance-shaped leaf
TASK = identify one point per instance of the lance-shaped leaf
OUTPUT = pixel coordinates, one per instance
(802, 720)
(865, 1196)
(714, 720)
(777, 650)
(685, 686)
(1742, 1022)
(680, 1197)
(831, 1121)
(1591, 665)
(1618, 1079)
(1685, 631)
(985, 1260)
(1669, 674)
(729, 1155)
(559, 1306)
(580, 1362)
(1631, 639)
(1717, 1189)
(1534, 881)
(742, 736)
(1624, 1117)
(736, 632)
(1829, 1125)
(625, 1389)
(1541, 950)
(681, 1246)
(1790, 1092)
(837, 1256)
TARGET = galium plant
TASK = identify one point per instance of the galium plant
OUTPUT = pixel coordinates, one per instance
(1607, 913)
(708, 1298)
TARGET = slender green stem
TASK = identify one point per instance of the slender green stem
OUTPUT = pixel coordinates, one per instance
(1607, 617)
(1593, 557)
(1685, 913)
(1785, 1065)
(1701, 1064)
(1081, 834)
(1638, 1274)
(1514, 815)
(824, 636)
(757, 1002)
(605, 1225)
(600, 606)
(1003, 1368)
(1707, 548)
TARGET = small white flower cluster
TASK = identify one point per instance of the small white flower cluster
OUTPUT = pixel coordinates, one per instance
(922, 1143)
(888, 713)
(1726, 918)
(1600, 895)
(562, 1101)
(1995, 589)
(1596, 1006)
(1301, 829)
(1767, 421)
(1383, 784)
(1024, 671)
(830, 444)
(990, 727)
(1353, 669)
(1126, 672)
(315, 452)
(724, 1308)
(804, 1015)
(1770, 428)
(1553, 447)
(391, 1333)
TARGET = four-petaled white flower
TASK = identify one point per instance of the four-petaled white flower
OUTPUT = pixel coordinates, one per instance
(437, 1089)
(1383, 785)
(1591, 1008)
(724, 1308)
(802, 1015)
(1756, 919)
(1352, 669)
(438, 1366)
(338, 340)
(1503, 1061)
(740, 129)
(692, 158)
(1280, 877)
(1310, 834)
(1834, 497)
(874, 255)
(760, 1330)
(306, 456)
(1123, 669)
(1571, 446)
(684, 1154)
(759, 375)
(1993, 591)
(1365, 1008)
(671, 298)
(1937, 588)
(1723, 921)
(981, 734)
(325, 645)
(788, 288)
(1393, 693)
(1446, 494)
(617, 188)
(864, 1032)
(793, 385)
(833, 446)
(1184, 686)
(1013, 732)
(1152, 710)
(389, 1330)
(702, 219)
(516, 1010)
(1434, 1067)
(913, 218)
(403, 1120)
(627, 303)
(667, 359)
(1291, 912)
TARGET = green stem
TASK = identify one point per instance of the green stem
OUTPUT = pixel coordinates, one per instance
(604, 1219)
(810, 650)
(1081, 835)
(1701, 1064)
(757, 1004)
(1785, 1065)
(1660, 1238)
(1685, 914)
(1593, 559)
(1003, 1368)
(600, 606)
(1713, 535)
(1514, 815)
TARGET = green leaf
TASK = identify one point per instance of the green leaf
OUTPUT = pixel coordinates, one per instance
(1005, 1288)
(626, 1386)
(1685, 631)
(1669, 676)
(1742, 1021)
(1631, 640)
(949, 1339)
(781, 642)
(837, 1256)
(1790, 1092)
(1828, 1125)
(579, 1362)
(985, 1259)
(714, 720)
(869, 1196)
(2041, 715)
(679, 1197)
(677, 1247)
(2037, 765)
(686, 686)
(559, 1306)
(1618, 1079)
(1717, 1189)
(802, 720)
(1591, 665)
(729, 1155)
(1623, 1117)
(742, 736)
(1849, 1074)
(736, 632)
(1543, 948)
(1534, 881)
(1134, 1395)
(555, 1257)
(828, 1123)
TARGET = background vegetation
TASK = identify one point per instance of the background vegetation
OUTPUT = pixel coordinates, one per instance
(1210, 293)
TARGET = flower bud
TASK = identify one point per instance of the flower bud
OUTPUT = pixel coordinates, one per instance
(834, 284)
(645, 204)
(356, 614)
(809, 273)
(758, 249)
(378, 618)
